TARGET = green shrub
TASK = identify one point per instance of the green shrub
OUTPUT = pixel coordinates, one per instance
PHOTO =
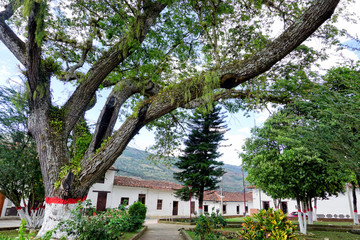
(138, 210)
(272, 225)
(109, 225)
(137, 213)
(217, 220)
(203, 228)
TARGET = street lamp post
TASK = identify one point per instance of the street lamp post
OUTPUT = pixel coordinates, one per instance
(221, 197)
(189, 186)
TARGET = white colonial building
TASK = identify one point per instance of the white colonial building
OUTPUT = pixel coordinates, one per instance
(159, 198)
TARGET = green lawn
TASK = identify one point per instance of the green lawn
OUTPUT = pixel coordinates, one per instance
(313, 235)
(12, 234)
(330, 235)
(241, 219)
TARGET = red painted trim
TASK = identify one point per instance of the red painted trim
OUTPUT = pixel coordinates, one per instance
(50, 200)
(18, 208)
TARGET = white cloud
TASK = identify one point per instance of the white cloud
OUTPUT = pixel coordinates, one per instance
(4, 73)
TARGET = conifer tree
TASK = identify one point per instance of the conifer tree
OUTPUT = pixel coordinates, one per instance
(199, 166)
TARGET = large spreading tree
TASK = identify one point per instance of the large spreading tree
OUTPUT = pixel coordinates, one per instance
(331, 112)
(281, 160)
(310, 148)
(198, 164)
(150, 54)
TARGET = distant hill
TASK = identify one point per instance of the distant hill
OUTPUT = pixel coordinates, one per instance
(133, 163)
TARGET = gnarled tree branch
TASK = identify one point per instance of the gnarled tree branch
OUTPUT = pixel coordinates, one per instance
(77, 103)
(230, 77)
(9, 38)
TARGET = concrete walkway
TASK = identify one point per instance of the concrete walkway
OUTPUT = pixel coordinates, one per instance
(162, 231)
(9, 223)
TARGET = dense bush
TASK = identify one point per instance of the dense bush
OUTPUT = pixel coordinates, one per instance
(108, 225)
(217, 220)
(137, 213)
(270, 224)
(203, 228)
(205, 225)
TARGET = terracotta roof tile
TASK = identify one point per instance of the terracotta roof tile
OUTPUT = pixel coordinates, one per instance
(134, 182)
(169, 186)
(228, 196)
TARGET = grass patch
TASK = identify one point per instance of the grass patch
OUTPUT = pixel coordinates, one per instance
(313, 235)
(330, 235)
(14, 233)
(329, 223)
(241, 219)
(129, 235)
(238, 219)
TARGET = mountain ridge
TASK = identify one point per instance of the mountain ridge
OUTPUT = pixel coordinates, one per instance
(133, 163)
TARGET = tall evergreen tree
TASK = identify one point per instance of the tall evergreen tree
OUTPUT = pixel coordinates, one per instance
(200, 170)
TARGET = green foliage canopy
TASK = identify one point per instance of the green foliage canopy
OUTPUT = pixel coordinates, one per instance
(281, 159)
(20, 173)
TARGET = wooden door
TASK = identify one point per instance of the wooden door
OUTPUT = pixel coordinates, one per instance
(2, 200)
(101, 201)
(283, 207)
(175, 208)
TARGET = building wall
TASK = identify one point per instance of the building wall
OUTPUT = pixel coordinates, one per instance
(231, 207)
(341, 204)
(259, 197)
(8, 205)
(151, 198)
(333, 205)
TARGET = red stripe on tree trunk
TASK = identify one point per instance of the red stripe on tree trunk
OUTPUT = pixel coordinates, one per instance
(200, 207)
(56, 200)
(355, 210)
(18, 208)
(299, 210)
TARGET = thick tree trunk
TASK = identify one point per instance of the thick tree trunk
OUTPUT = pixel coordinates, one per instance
(55, 213)
(315, 209)
(304, 217)
(356, 216)
(300, 219)
(310, 212)
(201, 201)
